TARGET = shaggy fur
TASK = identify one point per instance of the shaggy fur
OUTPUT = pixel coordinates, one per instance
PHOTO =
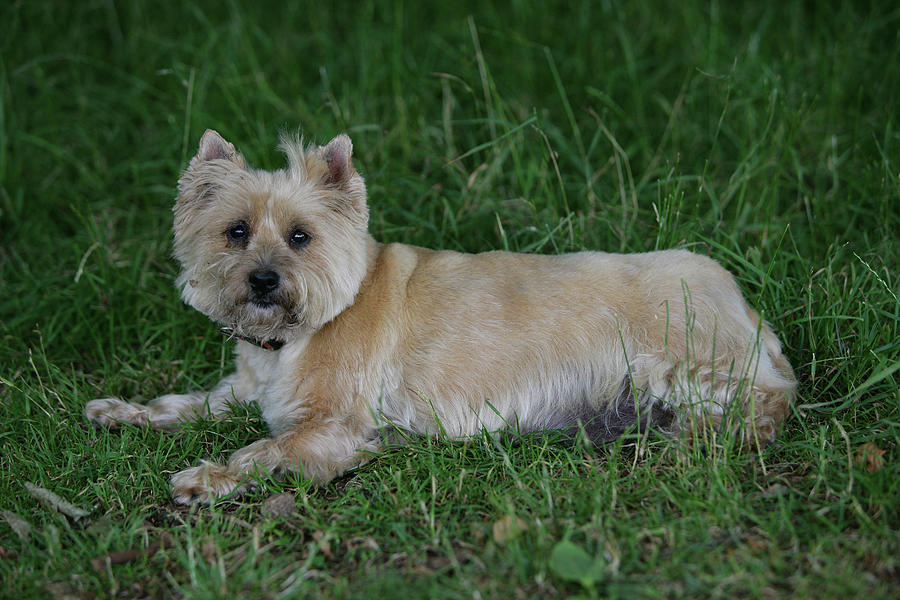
(437, 342)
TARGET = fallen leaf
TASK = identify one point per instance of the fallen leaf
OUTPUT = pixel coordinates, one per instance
(280, 506)
(774, 490)
(101, 527)
(571, 562)
(62, 590)
(209, 549)
(55, 502)
(324, 545)
(123, 556)
(508, 528)
(18, 524)
(756, 543)
(869, 457)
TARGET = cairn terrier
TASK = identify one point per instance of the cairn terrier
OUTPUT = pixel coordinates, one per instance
(341, 339)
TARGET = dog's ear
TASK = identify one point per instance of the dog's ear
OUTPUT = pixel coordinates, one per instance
(214, 147)
(331, 165)
(215, 159)
(338, 156)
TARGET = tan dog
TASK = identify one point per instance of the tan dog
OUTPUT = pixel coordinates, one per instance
(340, 336)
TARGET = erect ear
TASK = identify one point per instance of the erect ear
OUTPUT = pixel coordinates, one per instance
(337, 154)
(214, 147)
(215, 159)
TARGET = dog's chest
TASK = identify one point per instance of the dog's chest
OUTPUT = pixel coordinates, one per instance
(273, 378)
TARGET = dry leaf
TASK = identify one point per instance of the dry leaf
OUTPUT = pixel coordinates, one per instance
(123, 556)
(18, 524)
(756, 543)
(62, 590)
(280, 506)
(868, 456)
(508, 528)
(324, 545)
(55, 502)
(209, 549)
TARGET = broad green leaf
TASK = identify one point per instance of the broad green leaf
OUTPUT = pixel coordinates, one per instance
(571, 562)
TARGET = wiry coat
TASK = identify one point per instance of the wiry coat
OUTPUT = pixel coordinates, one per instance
(372, 337)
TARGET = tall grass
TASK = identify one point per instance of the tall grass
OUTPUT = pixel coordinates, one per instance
(764, 135)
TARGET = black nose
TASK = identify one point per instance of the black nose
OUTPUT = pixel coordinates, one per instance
(263, 282)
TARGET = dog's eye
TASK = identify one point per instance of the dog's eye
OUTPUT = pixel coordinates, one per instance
(298, 238)
(238, 233)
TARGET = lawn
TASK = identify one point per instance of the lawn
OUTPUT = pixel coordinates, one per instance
(762, 134)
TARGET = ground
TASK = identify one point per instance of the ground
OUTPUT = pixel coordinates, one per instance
(763, 135)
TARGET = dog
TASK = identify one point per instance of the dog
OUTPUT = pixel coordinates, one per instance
(341, 339)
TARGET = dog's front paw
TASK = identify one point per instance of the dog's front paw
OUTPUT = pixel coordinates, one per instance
(206, 483)
(112, 412)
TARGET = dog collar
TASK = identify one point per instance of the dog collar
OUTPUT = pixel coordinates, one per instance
(272, 344)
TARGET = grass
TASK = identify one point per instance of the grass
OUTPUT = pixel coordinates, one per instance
(764, 135)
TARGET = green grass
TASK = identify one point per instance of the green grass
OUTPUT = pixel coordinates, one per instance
(764, 135)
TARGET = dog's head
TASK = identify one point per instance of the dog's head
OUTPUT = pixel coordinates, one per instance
(271, 254)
